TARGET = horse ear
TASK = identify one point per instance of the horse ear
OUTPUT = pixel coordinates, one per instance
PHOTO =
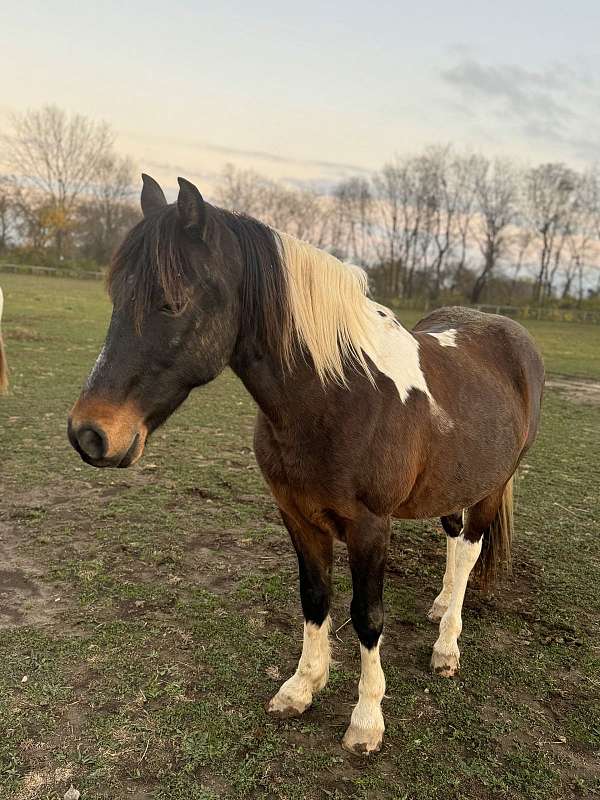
(191, 208)
(152, 197)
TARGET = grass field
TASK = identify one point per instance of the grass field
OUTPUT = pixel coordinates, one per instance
(147, 615)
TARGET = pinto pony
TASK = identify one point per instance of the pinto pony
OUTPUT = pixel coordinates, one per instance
(359, 419)
(3, 362)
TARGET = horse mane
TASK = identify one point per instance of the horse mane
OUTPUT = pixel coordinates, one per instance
(293, 295)
(331, 314)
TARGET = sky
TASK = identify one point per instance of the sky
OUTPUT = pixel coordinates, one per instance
(311, 91)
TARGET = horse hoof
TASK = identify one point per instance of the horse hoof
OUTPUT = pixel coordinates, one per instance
(435, 613)
(446, 665)
(362, 742)
(285, 707)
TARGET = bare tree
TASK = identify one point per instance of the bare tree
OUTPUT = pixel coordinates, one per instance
(351, 214)
(520, 247)
(390, 186)
(581, 229)
(402, 229)
(56, 157)
(296, 210)
(107, 211)
(447, 187)
(466, 168)
(440, 205)
(7, 213)
(34, 219)
(550, 192)
(242, 190)
(497, 203)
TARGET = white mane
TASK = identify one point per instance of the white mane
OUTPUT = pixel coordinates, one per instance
(331, 314)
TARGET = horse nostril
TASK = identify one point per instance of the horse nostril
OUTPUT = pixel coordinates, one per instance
(92, 441)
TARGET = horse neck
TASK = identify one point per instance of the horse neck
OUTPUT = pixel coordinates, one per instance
(265, 379)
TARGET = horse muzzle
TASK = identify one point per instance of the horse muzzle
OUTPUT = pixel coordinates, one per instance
(107, 435)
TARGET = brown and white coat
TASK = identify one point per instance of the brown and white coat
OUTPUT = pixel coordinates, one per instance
(359, 420)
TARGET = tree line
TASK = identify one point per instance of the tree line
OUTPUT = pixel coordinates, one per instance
(443, 224)
(65, 192)
(433, 226)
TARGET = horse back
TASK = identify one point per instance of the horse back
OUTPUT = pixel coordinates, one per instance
(488, 349)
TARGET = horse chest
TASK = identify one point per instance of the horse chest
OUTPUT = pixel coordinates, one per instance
(298, 461)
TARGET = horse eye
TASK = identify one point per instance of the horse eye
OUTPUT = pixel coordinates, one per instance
(167, 309)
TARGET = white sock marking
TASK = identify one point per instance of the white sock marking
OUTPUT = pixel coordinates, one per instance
(367, 714)
(443, 599)
(313, 668)
(466, 556)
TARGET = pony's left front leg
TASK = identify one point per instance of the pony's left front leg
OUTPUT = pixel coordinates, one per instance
(368, 540)
(314, 549)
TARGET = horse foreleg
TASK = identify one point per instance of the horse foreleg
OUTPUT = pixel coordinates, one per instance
(368, 540)
(314, 549)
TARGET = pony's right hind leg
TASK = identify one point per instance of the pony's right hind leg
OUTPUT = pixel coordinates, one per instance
(445, 660)
(452, 524)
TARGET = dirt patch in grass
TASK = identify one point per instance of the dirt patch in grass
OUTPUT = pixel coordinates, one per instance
(19, 333)
(578, 391)
(26, 598)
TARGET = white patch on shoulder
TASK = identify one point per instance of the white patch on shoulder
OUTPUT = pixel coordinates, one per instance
(395, 352)
(445, 338)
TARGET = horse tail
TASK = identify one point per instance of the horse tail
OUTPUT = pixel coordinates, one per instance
(497, 540)
(3, 363)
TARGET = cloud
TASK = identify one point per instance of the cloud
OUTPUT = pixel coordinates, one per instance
(557, 106)
(335, 166)
(195, 147)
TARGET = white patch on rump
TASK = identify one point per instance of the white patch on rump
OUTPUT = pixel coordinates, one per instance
(445, 338)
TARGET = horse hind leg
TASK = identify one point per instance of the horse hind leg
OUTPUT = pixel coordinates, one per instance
(452, 524)
(493, 515)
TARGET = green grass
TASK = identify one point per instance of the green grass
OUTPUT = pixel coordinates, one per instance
(156, 605)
